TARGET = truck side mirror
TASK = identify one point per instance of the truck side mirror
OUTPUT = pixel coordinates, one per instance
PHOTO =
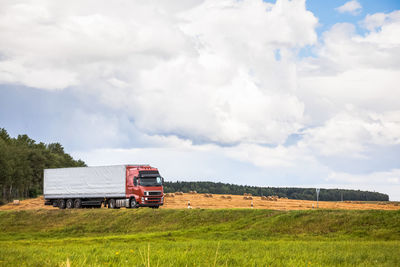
(135, 181)
(162, 180)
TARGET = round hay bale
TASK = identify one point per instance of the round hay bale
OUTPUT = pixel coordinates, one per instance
(228, 197)
(223, 197)
(263, 198)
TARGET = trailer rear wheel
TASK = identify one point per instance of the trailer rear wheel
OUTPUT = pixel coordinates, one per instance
(77, 203)
(69, 204)
(112, 204)
(61, 204)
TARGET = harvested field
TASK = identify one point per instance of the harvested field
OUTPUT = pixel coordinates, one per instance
(180, 201)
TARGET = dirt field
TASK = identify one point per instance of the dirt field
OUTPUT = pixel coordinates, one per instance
(220, 201)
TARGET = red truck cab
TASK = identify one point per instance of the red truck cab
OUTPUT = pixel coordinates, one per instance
(144, 186)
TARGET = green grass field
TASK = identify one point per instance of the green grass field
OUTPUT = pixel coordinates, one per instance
(227, 237)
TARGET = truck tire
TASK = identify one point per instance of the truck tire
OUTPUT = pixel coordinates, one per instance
(133, 203)
(112, 204)
(61, 204)
(77, 203)
(69, 204)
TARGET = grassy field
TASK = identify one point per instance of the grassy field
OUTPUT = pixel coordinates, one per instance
(226, 237)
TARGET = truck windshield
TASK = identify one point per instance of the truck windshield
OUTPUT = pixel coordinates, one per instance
(150, 181)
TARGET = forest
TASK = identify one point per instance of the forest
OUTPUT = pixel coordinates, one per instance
(22, 161)
(289, 192)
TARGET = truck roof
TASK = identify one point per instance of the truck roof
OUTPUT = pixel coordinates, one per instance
(144, 166)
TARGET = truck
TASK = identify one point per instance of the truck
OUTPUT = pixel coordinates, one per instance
(129, 186)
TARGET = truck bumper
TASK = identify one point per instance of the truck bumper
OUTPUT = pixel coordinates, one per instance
(150, 204)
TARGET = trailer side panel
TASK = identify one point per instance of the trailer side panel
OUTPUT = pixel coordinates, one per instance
(85, 182)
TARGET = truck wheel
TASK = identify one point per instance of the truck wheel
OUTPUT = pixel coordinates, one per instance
(77, 203)
(111, 204)
(133, 203)
(61, 204)
(69, 204)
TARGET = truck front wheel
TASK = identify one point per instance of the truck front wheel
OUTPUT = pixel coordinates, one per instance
(77, 203)
(133, 203)
(61, 204)
(69, 204)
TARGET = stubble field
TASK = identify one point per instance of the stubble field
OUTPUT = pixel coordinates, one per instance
(199, 201)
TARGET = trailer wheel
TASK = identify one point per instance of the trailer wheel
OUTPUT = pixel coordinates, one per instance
(77, 203)
(133, 203)
(111, 204)
(69, 204)
(61, 204)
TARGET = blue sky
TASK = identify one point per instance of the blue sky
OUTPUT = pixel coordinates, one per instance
(276, 93)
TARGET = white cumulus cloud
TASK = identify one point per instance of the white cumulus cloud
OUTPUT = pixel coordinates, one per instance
(353, 7)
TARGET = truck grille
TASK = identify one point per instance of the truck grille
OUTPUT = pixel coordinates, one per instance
(152, 193)
(153, 200)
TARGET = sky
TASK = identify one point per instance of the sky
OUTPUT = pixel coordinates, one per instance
(265, 93)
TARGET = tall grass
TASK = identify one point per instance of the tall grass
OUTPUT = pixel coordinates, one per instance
(232, 237)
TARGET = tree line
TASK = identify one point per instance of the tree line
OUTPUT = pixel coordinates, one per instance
(22, 161)
(289, 192)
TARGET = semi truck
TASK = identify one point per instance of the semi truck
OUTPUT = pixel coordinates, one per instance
(129, 186)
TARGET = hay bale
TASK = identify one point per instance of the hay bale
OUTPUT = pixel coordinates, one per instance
(179, 193)
(247, 198)
(223, 197)
(169, 195)
(249, 194)
(228, 197)
(193, 192)
(245, 194)
(264, 198)
(16, 202)
(207, 195)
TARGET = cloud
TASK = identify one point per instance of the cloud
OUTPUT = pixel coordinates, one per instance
(174, 70)
(353, 7)
(351, 133)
